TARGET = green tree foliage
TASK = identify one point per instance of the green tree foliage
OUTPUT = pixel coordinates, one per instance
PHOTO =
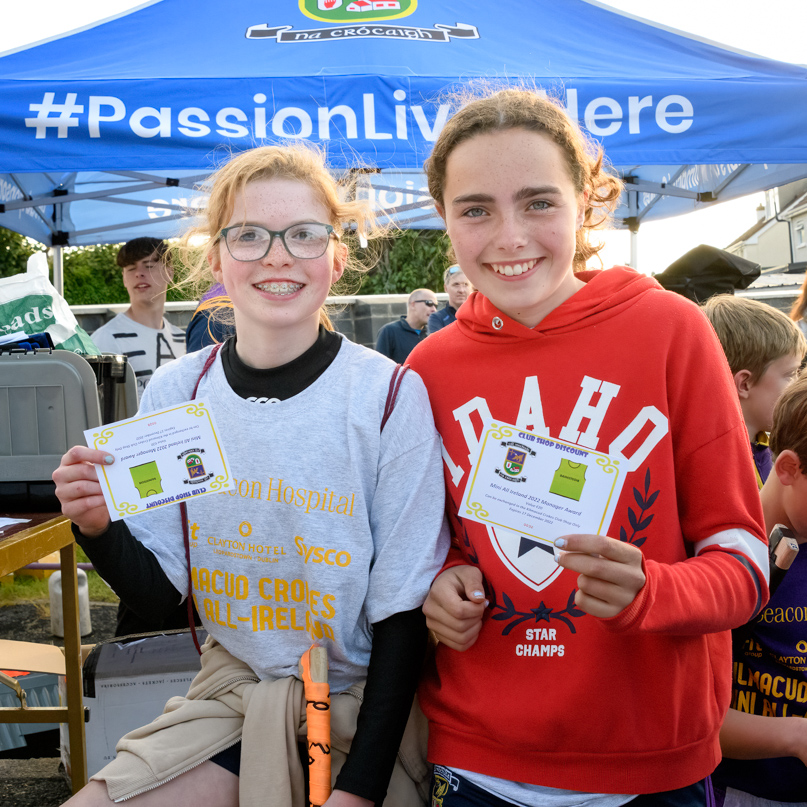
(410, 260)
(92, 277)
(91, 274)
(15, 249)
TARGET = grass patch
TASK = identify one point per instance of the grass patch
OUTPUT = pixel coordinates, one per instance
(28, 589)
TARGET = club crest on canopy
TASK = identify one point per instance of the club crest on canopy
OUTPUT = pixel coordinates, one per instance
(358, 11)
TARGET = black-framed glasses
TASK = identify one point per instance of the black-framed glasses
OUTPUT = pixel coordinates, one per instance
(429, 303)
(249, 242)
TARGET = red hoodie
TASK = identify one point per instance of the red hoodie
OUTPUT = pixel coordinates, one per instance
(549, 695)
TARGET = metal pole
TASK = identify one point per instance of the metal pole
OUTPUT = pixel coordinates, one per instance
(634, 250)
(58, 270)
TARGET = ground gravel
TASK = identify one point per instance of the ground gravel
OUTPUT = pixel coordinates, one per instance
(32, 777)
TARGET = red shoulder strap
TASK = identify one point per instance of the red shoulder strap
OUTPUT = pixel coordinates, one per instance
(208, 364)
(392, 394)
(183, 512)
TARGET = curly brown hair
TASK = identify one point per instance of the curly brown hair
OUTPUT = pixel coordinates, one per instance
(534, 111)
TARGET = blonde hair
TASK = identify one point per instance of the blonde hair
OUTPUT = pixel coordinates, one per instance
(790, 422)
(753, 334)
(534, 111)
(797, 311)
(300, 162)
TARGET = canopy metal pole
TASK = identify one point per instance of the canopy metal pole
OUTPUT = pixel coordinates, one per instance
(633, 226)
(58, 270)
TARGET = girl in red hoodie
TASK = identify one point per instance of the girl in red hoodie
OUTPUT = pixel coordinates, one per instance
(597, 674)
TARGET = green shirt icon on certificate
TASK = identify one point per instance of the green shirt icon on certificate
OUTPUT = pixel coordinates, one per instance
(569, 480)
(147, 479)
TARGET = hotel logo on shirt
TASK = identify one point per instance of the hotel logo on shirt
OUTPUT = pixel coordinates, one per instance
(360, 19)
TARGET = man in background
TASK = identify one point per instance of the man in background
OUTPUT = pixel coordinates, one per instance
(141, 333)
(396, 339)
(458, 288)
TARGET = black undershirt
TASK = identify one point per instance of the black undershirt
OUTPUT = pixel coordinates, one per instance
(286, 381)
(399, 642)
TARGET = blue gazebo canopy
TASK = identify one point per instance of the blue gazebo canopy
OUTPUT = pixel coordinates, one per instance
(105, 133)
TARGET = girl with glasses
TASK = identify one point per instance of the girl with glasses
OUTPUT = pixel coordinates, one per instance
(599, 678)
(325, 487)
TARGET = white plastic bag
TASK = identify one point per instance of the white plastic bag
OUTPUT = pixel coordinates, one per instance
(29, 302)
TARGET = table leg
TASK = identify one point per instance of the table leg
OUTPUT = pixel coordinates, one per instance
(72, 652)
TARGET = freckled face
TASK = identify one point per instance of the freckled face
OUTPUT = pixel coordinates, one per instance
(762, 397)
(512, 212)
(278, 291)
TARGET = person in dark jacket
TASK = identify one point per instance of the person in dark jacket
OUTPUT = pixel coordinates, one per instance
(458, 288)
(396, 339)
(205, 327)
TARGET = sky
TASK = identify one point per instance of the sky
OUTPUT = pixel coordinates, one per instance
(776, 29)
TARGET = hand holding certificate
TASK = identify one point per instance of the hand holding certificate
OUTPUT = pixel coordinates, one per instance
(160, 458)
(537, 492)
(540, 487)
(610, 572)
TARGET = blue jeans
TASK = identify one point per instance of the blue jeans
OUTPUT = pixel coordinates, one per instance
(452, 790)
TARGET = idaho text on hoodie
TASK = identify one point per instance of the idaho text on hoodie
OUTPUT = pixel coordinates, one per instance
(548, 694)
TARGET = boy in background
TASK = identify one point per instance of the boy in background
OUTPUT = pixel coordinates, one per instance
(141, 333)
(764, 736)
(764, 350)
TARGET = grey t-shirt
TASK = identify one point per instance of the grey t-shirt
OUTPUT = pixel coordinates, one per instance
(331, 525)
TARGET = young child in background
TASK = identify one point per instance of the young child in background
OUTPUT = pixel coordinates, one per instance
(764, 736)
(764, 349)
(606, 674)
(299, 410)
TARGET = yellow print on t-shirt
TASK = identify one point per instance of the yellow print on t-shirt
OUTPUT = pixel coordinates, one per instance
(295, 605)
(241, 549)
(752, 686)
(276, 490)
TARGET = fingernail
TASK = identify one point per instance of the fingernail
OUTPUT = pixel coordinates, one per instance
(560, 543)
(478, 594)
(487, 603)
(109, 459)
(559, 556)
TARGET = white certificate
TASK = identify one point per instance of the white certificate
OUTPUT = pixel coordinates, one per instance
(540, 487)
(161, 458)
